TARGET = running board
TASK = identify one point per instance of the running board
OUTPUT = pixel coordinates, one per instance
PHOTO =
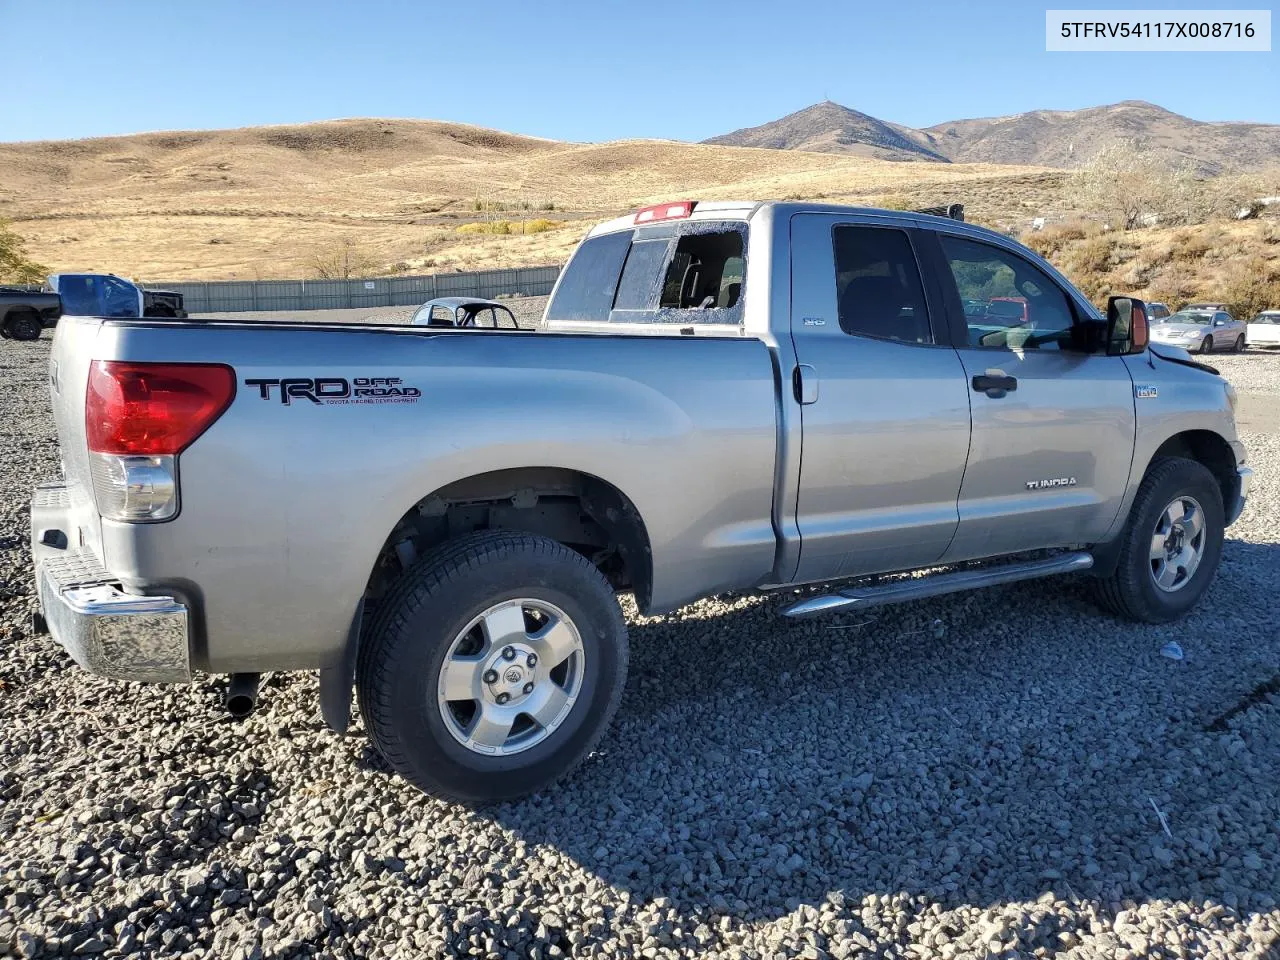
(858, 598)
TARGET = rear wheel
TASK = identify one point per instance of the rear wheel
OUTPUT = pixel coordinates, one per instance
(1206, 345)
(1171, 545)
(1239, 344)
(493, 666)
(22, 326)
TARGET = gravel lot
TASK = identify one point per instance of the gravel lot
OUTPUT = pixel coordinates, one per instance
(1008, 771)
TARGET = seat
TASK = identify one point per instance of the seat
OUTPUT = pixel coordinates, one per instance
(872, 307)
(729, 294)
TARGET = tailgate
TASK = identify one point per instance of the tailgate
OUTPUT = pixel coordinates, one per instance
(73, 344)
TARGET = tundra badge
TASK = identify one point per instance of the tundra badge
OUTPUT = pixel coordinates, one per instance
(1056, 482)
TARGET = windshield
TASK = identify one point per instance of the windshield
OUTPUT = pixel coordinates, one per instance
(1266, 318)
(1202, 319)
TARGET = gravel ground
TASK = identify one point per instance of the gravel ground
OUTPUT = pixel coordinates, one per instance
(1007, 772)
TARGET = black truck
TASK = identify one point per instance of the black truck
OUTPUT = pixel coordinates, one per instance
(25, 311)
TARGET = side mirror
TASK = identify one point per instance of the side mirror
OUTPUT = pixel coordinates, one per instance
(1219, 323)
(1126, 326)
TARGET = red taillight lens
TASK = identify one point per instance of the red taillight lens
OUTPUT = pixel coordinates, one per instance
(153, 409)
(665, 211)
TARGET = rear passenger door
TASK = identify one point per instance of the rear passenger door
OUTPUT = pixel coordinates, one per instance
(1053, 427)
(883, 400)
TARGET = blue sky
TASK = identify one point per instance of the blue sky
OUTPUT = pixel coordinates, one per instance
(577, 70)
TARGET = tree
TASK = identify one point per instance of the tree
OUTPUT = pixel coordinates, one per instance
(1132, 187)
(15, 267)
(342, 261)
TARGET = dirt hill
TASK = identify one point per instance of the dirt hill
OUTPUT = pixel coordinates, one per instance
(412, 195)
(1045, 138)
(828, 127)
(1063, 138)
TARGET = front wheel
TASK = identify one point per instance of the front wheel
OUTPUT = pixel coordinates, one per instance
(22, 326)
(1206, 345)
(493, 666)
(1171, 545)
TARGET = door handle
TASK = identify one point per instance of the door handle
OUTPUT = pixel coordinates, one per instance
(804, 383)
(994, 384)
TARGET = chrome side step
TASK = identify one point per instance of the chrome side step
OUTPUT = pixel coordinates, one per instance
(857, 598)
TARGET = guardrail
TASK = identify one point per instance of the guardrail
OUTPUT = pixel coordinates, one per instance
(237, 296)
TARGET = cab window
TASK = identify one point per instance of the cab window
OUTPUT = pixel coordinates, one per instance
(1009, 303)
(878, 289)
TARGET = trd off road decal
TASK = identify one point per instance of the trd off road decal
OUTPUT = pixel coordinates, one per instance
(336, 390)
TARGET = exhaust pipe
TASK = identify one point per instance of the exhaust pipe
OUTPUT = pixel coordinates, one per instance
(242, 694)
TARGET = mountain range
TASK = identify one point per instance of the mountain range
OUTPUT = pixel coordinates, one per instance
(1046, 138)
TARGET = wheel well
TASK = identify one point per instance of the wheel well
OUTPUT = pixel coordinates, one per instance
(581, 511)
(1209, 449)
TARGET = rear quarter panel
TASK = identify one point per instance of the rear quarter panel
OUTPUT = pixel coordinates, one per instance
(284, 507)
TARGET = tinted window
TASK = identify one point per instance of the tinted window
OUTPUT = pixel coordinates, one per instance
(878, 291)
(639, 283)
(590, 280)
(79, 296)
(119, 299)
(1024, 309)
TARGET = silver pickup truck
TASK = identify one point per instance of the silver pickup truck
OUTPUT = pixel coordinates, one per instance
(721, 396)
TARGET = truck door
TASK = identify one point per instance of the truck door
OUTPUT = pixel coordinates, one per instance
(883, 400)
(1053, 427)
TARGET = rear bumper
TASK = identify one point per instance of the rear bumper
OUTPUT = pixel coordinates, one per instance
(107, 631)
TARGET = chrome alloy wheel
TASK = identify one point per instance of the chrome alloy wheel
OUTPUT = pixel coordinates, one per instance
(511, 677)
(1177, 544)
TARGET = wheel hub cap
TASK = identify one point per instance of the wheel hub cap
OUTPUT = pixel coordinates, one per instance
(511, 677)
(1177, 544)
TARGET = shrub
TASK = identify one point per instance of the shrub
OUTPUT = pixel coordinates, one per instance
(1249, 287)
(894, 201)
(1049, 241)
(505, 227)
(15, 265)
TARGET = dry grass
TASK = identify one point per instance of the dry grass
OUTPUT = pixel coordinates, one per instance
(258, 202)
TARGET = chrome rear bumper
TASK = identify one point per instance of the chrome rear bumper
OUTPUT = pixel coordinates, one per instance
(107, 631)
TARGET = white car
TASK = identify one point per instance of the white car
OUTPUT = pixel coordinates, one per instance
(1264, 330)
(1200, 331)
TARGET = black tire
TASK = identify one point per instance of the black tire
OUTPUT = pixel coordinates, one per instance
(1206, 345)
(1239, 344)
(1131, 591)
(23, 326)
(401, 658)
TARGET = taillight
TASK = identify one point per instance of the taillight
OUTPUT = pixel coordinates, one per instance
(138, 418)
(665, 211)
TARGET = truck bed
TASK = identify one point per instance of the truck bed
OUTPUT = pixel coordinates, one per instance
(336, 432)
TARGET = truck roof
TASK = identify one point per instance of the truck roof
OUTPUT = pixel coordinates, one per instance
(745, 209)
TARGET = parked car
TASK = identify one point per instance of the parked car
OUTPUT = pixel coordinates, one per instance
(465, 312)
(24, 313)
(106, 295)
(1200, 331)
(726, 396)
(1264, 330)
(1157, 311)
